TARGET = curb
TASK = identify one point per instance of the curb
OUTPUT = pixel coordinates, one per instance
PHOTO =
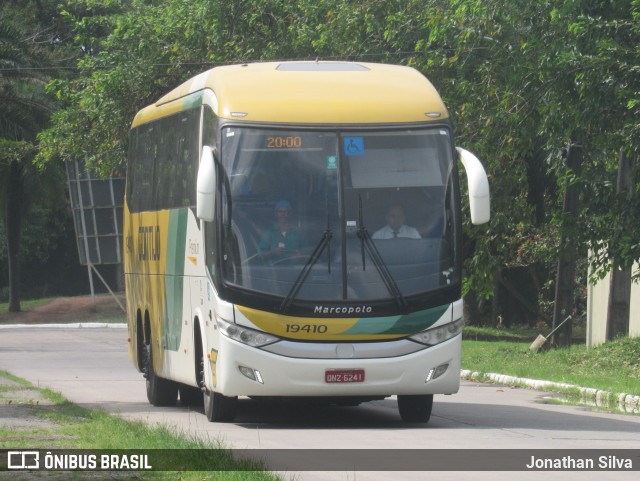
(70, 325)
(627, 403)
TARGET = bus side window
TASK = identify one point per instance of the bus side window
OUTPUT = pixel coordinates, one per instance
(143, 168)
(133, 159)
(210, 249)
(191, 156)
(162, 178)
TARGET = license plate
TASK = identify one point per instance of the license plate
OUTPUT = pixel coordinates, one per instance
(344, 375)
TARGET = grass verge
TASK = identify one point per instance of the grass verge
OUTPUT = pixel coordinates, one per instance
(613, 366)
(26, 305)
(37, 418)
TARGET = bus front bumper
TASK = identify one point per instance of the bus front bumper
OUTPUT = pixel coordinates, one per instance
(240, 370)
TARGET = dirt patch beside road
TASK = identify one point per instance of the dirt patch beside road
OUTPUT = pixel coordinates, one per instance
(68, 309)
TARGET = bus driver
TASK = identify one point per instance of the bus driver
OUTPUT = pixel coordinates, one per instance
(281, 239)
(395, 226)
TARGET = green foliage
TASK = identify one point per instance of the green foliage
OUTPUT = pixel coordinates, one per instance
(32, 41)
(151, 49)
(612, 366)
(522, 80)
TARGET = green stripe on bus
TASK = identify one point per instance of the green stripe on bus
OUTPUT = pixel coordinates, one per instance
(408, 324)
(418, 321)
(372, 325)
(174, 277)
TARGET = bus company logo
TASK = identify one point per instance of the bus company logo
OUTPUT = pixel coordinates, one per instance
(149, 243)
(348, 310)
(23, 460)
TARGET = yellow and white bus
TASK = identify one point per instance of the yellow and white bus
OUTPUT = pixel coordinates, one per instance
(292, 229)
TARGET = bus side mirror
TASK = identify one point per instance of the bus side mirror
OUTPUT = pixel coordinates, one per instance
(479, 202)
(206, 198)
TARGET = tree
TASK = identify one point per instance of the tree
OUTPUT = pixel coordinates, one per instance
(601, 56)
(522, 80)
(24, 111)
(620, 284)
(151, 48)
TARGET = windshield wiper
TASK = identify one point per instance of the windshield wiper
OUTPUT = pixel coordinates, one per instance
(367, 242)
(304, 273)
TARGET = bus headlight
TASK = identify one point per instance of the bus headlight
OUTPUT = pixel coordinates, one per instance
(245, 335)
(439, 334)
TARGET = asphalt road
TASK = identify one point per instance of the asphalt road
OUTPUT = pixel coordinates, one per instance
(90, 367)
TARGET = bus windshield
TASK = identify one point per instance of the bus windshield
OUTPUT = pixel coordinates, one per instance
(349, 216)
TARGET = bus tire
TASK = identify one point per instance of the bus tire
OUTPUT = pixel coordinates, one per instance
(160, 391)
(190, 396)
(415, 409)
(219, 408)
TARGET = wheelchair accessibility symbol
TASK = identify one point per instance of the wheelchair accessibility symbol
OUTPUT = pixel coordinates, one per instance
(353, 146)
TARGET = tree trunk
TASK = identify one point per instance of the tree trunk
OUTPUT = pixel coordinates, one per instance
(620, 287)
(15, 200)
(619, 303)
(471, 310)
(565, 280)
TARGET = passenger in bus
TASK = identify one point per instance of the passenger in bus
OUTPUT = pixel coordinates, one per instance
(395, 226)
(282, 239)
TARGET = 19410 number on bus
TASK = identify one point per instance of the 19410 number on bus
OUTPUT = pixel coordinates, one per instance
(308, 328)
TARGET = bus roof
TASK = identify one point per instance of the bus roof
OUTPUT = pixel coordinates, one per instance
(307, 93)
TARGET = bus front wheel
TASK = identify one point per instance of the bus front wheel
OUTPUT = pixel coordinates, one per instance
(219, 408)
(415, 409)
